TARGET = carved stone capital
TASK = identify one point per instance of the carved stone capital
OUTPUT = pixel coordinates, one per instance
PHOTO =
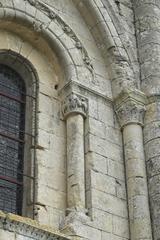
(130, 107)
(75, 103)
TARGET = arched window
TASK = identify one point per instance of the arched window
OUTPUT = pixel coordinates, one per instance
(12, 140)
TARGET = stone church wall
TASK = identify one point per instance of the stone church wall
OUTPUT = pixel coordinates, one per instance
(90, 163)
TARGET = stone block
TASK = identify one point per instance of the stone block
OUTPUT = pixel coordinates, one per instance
(114, 152)
(120, 189)
(43, 140)
(93, 108)
(52, 178)
(87, 231)
(138, 229)
(47, 196)
(95, 144)
(109, 203)
(152, 149)
(154, 186)
(4, 235)
(45, 122)
(153, 167)
(103, 183)
(104, 148)
(43, 102)
(111, 236)
(22, 237)
(48, 158)
(151, 131)
(50, 216)
(95, 127)
(120, 227)
(135, 168)
(105, 113)
(152, 113)
(116, 169)
(136, 187)
(101, 220)
(96, 162)
(114, 135)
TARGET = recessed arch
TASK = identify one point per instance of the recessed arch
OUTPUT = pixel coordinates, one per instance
(59, 36)
(102, 18)
(21, 65)
(24, 137)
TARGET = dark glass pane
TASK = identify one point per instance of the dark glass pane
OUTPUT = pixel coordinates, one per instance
(12, 124)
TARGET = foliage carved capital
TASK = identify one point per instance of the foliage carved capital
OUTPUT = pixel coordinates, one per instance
(75, 103)
(130, 107)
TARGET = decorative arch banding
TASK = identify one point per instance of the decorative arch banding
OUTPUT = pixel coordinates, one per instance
(60, 37)
(67, 30)
(116, 55)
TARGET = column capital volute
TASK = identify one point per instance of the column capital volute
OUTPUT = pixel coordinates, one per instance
(74, 104)
(130, 107)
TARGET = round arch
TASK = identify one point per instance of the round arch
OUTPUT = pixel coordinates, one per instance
(42, 21)
(21, 65)
(27, 73)
(117, 55)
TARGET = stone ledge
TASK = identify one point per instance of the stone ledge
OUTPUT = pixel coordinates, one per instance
(28, 227)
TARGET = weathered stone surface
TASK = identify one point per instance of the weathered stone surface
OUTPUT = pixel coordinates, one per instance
(92, 60)
(16, 227)
(75, 162)
(130, 110)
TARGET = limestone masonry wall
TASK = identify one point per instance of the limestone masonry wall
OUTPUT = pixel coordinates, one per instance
(97, 151)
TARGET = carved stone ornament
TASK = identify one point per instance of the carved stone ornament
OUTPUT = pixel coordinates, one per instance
(130, 108)
(53, 16)
(28, 228)
(131, 112)
(75, 103)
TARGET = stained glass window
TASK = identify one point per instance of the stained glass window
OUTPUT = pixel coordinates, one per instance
(12, 131)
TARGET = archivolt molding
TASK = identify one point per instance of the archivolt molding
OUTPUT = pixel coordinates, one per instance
(67, 30)
(43, 20)
(110, 24)
(115, 52)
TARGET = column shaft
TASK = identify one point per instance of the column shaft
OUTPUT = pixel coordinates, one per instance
(140, 226)
(75, 109)
(75, 162)
(147, 19)
(130, 108)
(152, 151)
